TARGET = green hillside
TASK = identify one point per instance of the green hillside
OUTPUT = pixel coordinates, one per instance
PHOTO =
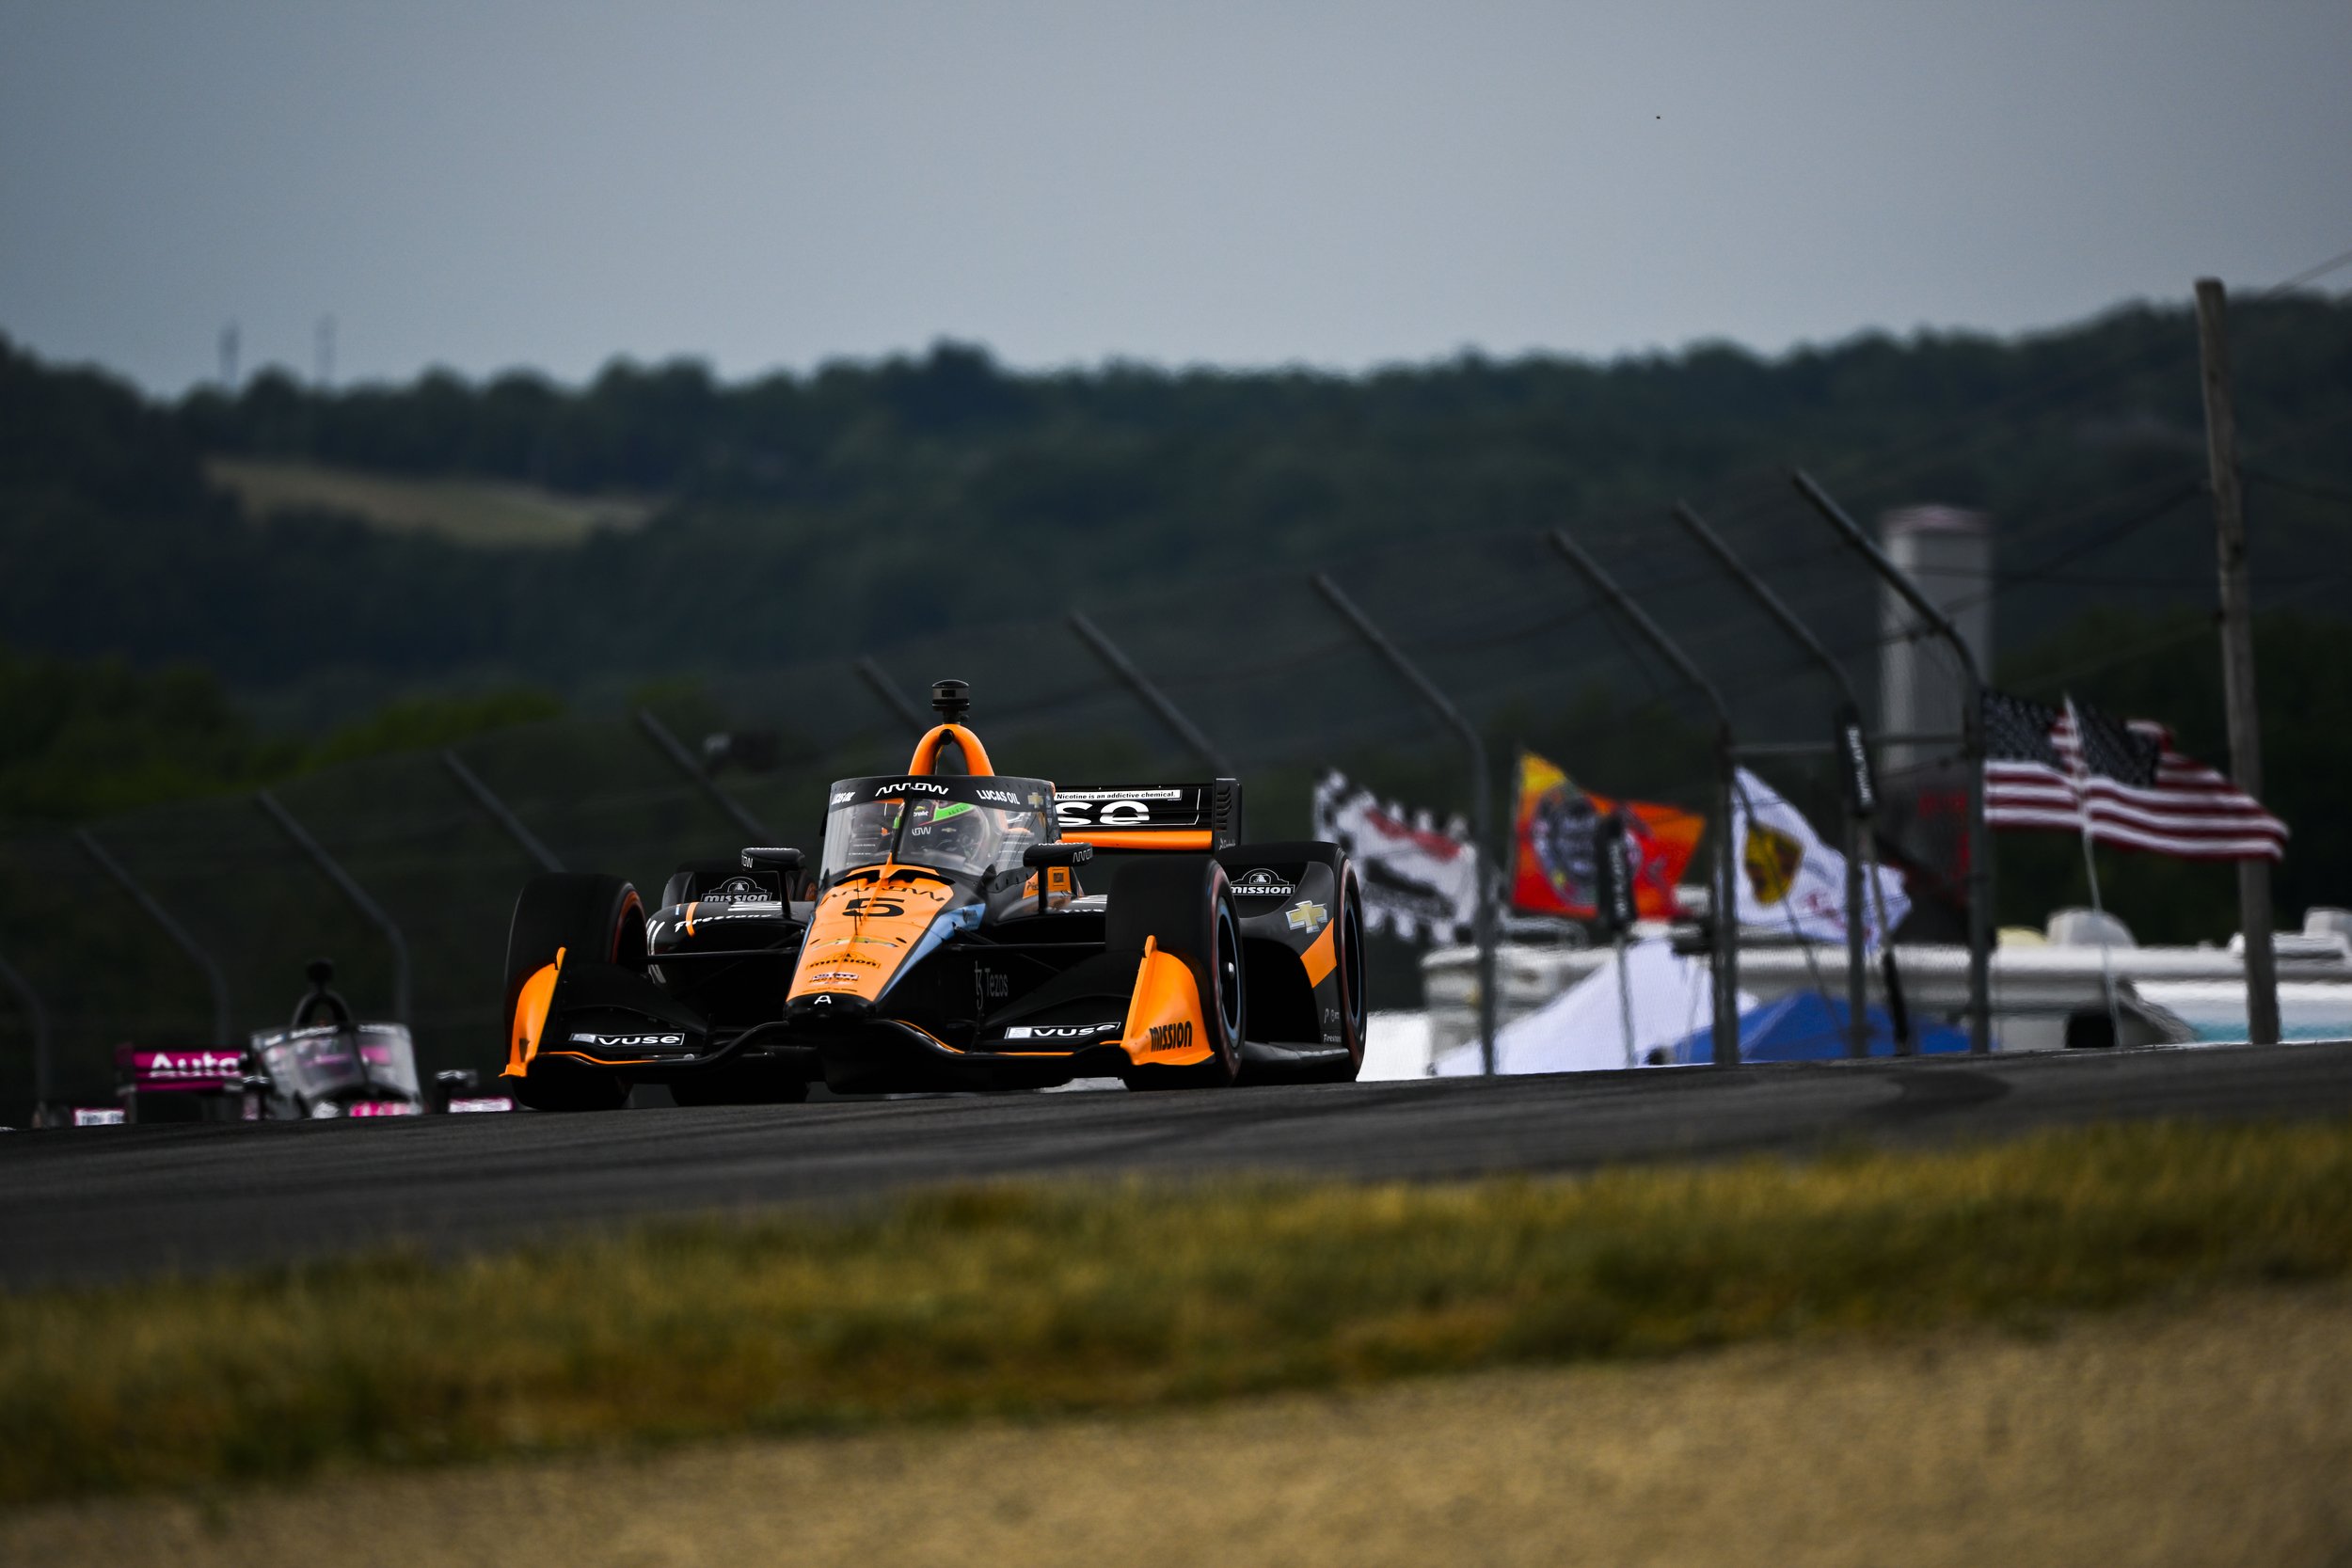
(915, 494)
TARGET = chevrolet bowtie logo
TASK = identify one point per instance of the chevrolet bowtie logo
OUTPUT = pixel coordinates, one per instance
(1307, 916)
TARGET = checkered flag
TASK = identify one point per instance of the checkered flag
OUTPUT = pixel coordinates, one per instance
(1418, 879)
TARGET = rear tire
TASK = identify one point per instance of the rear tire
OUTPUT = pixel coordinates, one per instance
(1186, 905)
(586, 915)
(1349, 961)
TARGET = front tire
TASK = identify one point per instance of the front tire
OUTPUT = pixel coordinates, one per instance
(1186, 905)
(585, 915)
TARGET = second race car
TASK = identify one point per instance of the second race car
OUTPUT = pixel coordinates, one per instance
(325, 1063)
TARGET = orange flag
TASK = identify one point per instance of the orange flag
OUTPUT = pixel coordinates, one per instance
(1554, 870)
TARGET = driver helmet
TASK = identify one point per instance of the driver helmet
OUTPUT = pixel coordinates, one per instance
(953, 832)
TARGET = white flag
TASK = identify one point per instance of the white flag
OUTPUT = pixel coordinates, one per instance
(1790, 881)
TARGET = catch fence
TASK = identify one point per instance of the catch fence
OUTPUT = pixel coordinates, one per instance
(436, 845)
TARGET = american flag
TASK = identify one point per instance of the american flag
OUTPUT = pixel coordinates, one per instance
(2117, 781)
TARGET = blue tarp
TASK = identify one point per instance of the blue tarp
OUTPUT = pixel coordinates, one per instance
(1807, 1027)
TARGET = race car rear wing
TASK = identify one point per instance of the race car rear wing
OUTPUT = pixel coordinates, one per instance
(1196, 818)
(199, 1070)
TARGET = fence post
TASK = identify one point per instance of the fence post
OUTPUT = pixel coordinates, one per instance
(353, 891)
(1482, 789)
(1857, 816)
(1723, 898)
(670, 746)
(892, 698)
(498, 812)
(1221, 767)
(1972, 754)
(45, 1060)
(214, 980)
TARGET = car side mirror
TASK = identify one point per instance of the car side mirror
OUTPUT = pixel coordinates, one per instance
(789, 861)
(1039, 857)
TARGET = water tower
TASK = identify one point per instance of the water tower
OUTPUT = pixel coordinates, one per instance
(1949, 554)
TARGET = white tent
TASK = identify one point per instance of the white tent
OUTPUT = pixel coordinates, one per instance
(1581, 1030)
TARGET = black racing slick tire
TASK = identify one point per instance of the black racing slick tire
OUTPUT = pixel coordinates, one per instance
(1349, 962)
(1184, 904)
(593, 916)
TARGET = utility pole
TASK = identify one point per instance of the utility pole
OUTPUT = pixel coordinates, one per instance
(1859, 801)
(1488, 857)
(2238, 654)
(1723, 898)
(1972, 751)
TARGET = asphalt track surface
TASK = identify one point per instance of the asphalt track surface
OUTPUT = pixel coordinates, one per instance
(116, 1202)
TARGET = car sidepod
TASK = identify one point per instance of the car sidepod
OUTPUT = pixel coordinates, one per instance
(1302, 946)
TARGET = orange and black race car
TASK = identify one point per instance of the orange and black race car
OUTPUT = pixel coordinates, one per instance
(944, 940)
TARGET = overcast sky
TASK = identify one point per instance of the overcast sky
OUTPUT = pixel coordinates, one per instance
(551, 182)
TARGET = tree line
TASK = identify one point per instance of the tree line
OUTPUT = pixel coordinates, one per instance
(946, 487)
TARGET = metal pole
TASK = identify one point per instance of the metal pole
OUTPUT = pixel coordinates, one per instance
(498, 811)
(1857, 967)
(1613, 911)
(670, 747)
(1220, 766)
(1972, 751)
(1862, 798)
(2090, 874)
(45, 1060)
(2238, 654)
(894, 699)
(1723, 898)
(1482, 792)
(353, 891)
(214, 980)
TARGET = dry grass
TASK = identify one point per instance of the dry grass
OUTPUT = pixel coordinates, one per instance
(467, 511)
(2217, 1433)
(1027, 1299)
